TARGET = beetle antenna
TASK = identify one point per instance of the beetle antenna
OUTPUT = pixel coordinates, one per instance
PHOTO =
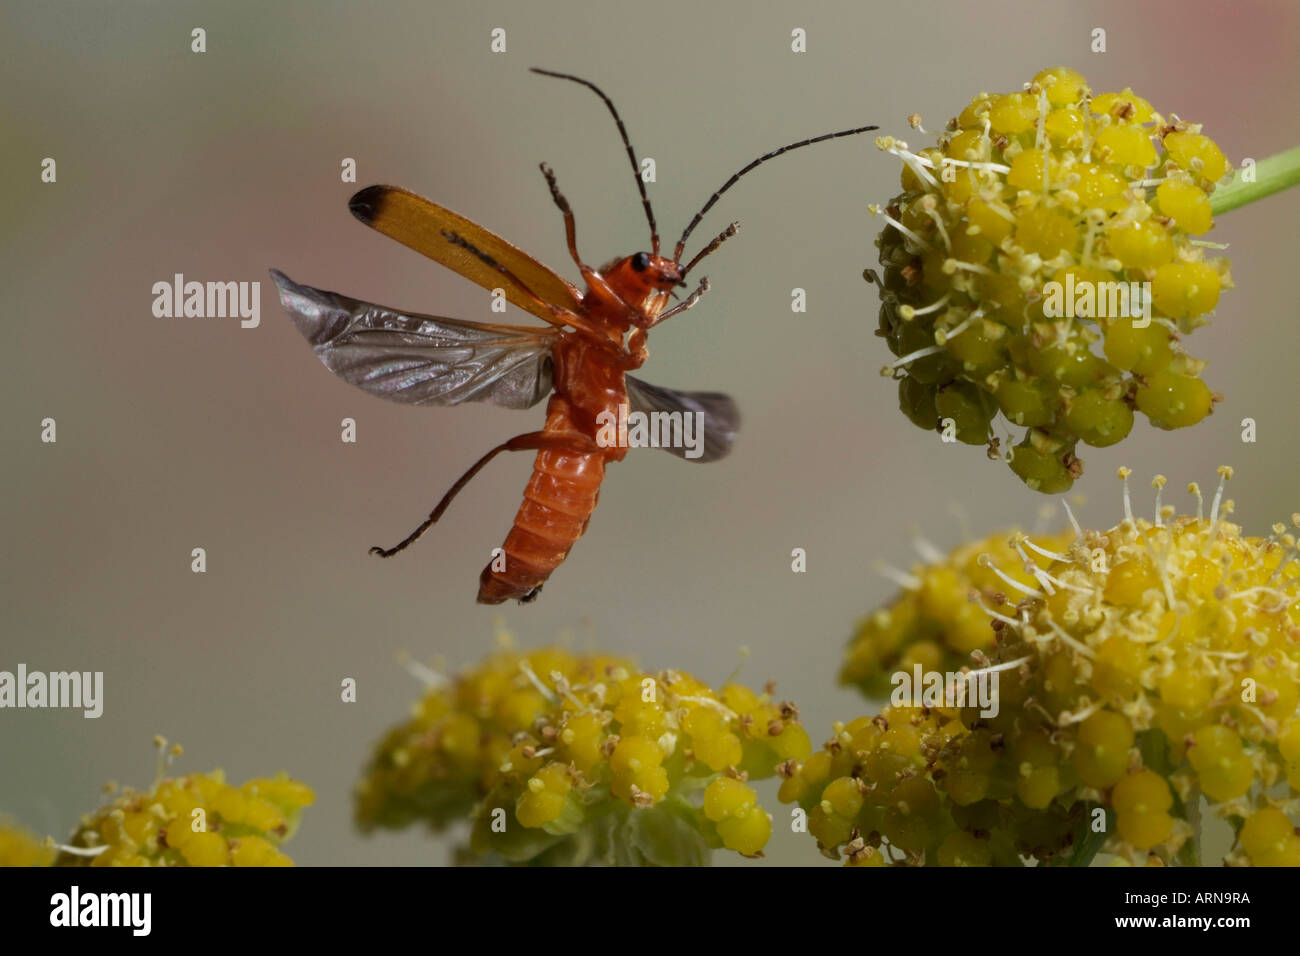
(631, 154)
(681, 243)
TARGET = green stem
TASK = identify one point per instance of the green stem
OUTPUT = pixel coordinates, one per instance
(1271, 175)
(1190, 852)
(1089, 842)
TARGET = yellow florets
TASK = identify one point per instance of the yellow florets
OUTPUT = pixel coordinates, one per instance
(195, 820)
(935, 622)
(19, 847)
(543, 800)
(435, 767)
(1269, 838)
(637, 767)
(743, 825)
(563, 758)
(1148, 667)
(1017, 260)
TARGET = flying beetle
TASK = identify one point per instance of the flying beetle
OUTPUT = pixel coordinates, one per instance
(581, 357)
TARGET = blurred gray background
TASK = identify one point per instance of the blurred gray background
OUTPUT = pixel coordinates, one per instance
(183, 433)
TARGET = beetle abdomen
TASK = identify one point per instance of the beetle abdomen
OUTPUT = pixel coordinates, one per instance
(558, 503)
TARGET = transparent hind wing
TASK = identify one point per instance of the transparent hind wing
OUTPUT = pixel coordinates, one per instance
(721, 419)
(420, 359)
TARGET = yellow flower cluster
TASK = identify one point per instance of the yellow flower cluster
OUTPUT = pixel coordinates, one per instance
(610, 750)
(1145, 668)
(195, 820)
(1043, 261)
(934, 622)
(573, 759)
(19, 847)
(435, 767)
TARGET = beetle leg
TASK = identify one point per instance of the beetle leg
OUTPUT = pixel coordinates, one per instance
(637, 352)
(570, 227)
(589, 275)
(529, 441)
(593, 278)
(685, 304)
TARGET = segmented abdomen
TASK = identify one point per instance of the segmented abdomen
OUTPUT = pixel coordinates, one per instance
(558, 503)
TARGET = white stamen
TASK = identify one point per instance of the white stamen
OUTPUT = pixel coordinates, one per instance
(1040, 131)
(80, 850)
(1032, 567)
(994, 614)
(1067, 718)
(1195, 489)
(907, 232)
(1224, 474)
(917, 164)
(1282, 566)
(960, 327)
(536, 682)
(1284, 600)
(938, 223)
(985, 560)
(1256, 711)
(908, 312)
(928, 552)
(975, 164)
(955, 264)
(710, 702)
(1043, 551)
(1083, 649)
(995, 668)
(901, 578)
(1005, 213)
(1078, 532)
(1044, 579)
(913, 356)
(422, 672)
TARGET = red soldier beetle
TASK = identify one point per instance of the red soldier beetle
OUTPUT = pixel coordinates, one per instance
(581, 358)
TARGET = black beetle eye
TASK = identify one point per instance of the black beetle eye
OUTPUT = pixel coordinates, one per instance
(641, 261)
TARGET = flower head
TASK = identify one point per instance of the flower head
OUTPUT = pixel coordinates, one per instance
(195, 820)
(578, 759)
(937, 619)
(20, 847)
(1044, 261)
(437, 765)
(640, 768)
(1156, 664)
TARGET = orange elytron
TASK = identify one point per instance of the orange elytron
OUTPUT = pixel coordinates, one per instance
(581, 358)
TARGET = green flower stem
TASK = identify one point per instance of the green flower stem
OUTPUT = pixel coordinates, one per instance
(1272, 175)
(1189, 854)
(1088, 842)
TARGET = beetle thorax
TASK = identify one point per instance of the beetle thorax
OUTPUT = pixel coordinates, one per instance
(642, 282)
